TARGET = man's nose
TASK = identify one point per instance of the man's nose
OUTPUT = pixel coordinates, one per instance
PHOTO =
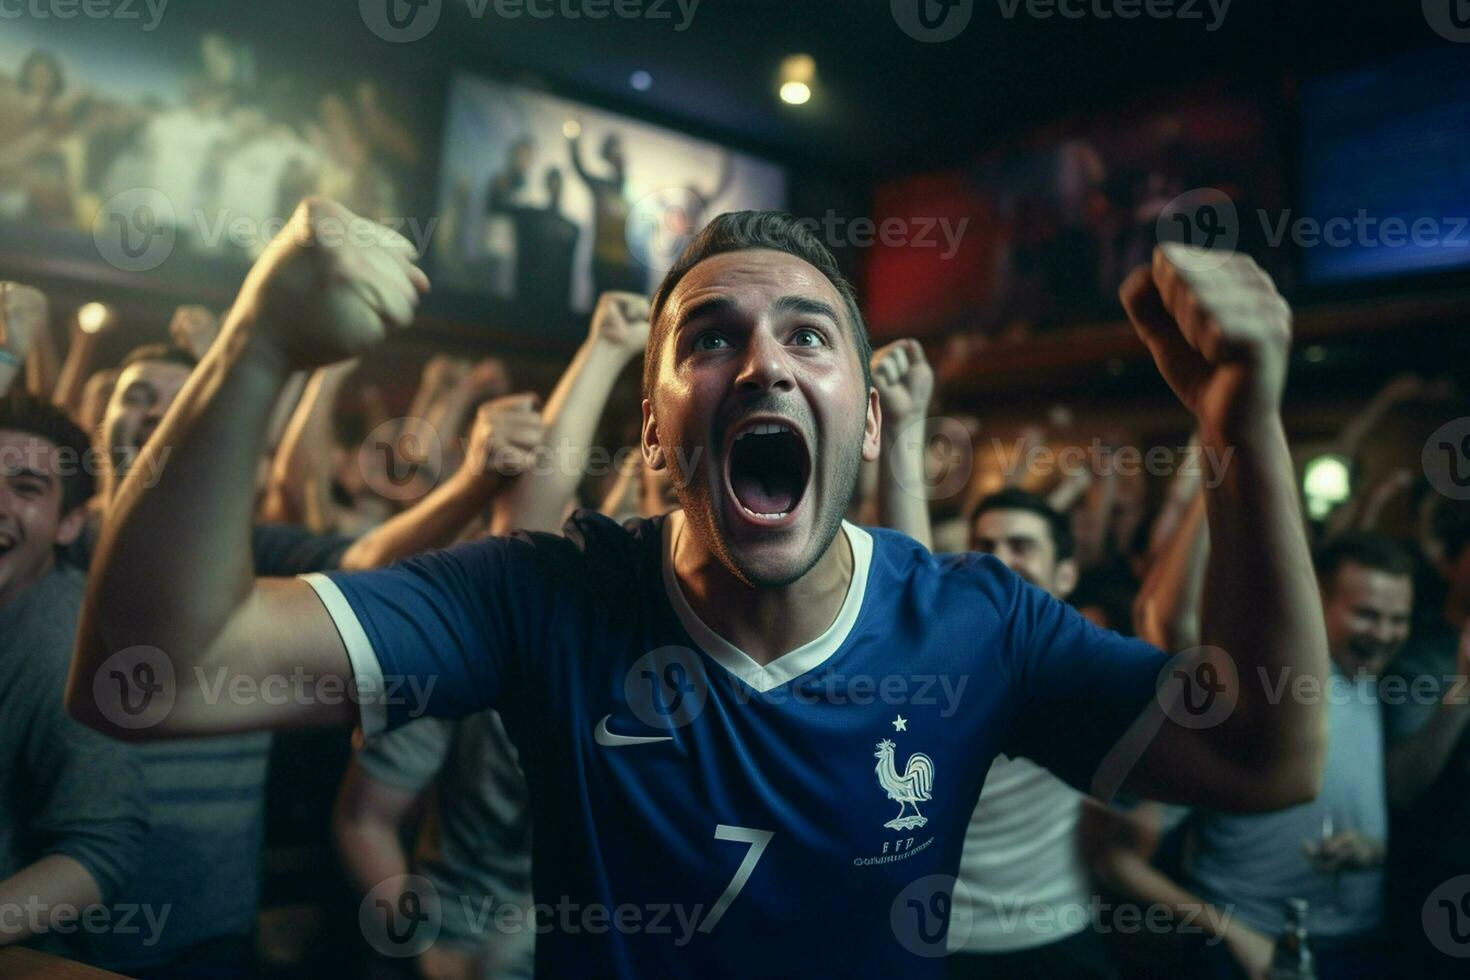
(766, 367)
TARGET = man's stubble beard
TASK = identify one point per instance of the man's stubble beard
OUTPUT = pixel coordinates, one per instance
(699, 512)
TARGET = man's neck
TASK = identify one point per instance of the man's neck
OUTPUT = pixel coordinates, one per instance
(765, 623)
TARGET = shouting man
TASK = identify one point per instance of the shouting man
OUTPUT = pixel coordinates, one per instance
(753, 733)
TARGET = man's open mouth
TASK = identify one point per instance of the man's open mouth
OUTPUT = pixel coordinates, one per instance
(7, 541)
(768, 467)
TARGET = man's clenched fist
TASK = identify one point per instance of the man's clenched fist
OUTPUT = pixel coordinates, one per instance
(1220, 336)
(193, 328)
(904, 380)
(330, 286)
(505, 437)
(621, 321)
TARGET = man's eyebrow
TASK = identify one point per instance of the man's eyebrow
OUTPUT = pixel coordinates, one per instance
(805, 306)
(713, 306)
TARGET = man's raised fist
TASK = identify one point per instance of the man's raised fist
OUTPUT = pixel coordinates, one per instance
(330, 286)
(1219, 332)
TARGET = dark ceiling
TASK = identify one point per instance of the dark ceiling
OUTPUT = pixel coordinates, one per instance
(887, 103)
(884, 103)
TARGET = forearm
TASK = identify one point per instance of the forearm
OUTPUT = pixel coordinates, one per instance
(43, 365)
(9, 370)
(1414, 763)
(901, 482)
(284, 408)
(53, 884)
(370, 851)
(1131, 876)
(1167, 610)
(74, 372)
(174, 561)
(436, 521)
(300, 469)
(1261, 604)
(572, 414)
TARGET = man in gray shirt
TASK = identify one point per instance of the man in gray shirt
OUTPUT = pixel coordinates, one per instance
(1330, 851)
(72, 809)
(474, 845)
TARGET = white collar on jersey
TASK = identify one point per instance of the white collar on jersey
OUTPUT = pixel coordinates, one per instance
(789, 665)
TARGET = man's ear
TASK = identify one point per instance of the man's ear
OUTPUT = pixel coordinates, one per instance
(653, 453)
(874, 427)
(1064, 579)
(71, 526)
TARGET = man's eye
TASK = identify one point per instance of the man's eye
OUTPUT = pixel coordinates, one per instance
(710, 341)
(807, 337)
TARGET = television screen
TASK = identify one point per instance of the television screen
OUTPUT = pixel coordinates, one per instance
(1385, 159)
(129, 147)
(1040, 233)
(547, 202)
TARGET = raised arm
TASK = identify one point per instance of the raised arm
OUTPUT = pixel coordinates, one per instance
(300, 485)
(77, 367)
(618, 335)
(171, 588)
(503, 442)
(905, 384)
(1220, 334)
(1166, 612)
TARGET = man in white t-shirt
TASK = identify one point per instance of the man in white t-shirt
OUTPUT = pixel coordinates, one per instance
(1023, 904)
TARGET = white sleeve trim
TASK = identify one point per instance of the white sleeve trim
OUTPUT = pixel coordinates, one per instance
(367, 673)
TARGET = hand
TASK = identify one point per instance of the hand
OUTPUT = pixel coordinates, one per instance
(904, 380)
(487, 379)
(620, 322)
(193, 328)
(330, 286)
(442, 373)
(1219, 336)
(1403, 387)
(23, 313)
(1251, 950)
(1348, 850)
(505, 436)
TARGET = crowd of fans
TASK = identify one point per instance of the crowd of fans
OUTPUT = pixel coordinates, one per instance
(1052, 883)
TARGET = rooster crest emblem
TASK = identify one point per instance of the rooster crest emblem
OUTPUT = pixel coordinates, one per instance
(910, 788)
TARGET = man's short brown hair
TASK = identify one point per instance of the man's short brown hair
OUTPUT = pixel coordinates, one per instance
(738, 231)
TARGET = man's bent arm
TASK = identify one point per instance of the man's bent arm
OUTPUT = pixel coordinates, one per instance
(1220, 334)
(172, 586)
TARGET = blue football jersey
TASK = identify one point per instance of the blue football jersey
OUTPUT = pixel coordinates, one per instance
(695, 812)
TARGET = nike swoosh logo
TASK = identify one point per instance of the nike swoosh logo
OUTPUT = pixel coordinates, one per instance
(612, 740)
